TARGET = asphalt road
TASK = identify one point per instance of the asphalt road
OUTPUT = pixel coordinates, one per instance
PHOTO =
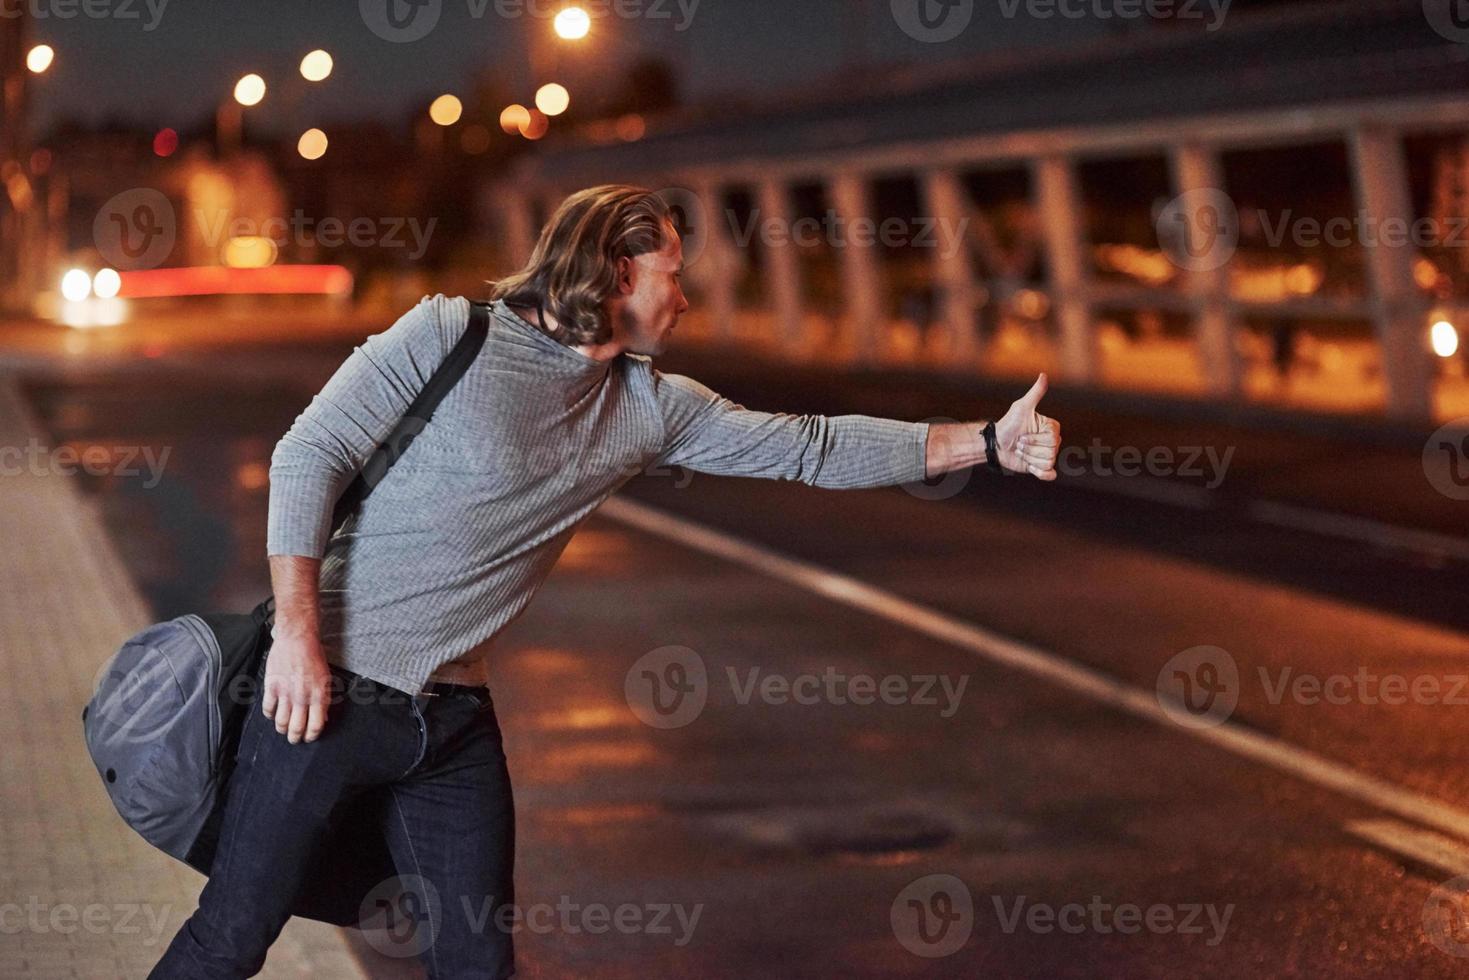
(1022, 794)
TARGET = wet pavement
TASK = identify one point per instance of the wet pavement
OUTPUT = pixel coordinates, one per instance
(979, 820)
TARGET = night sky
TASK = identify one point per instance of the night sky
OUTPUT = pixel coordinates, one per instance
(174, 73)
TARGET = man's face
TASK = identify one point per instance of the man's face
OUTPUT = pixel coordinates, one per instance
(650, 297)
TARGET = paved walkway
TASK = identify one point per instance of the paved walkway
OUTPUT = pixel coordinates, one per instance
(80, 894)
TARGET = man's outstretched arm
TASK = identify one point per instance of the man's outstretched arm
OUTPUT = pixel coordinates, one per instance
(711, 434)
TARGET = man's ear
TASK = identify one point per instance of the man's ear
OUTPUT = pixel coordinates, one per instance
(626, 274)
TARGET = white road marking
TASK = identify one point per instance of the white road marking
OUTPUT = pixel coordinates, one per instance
(1086, 681)
(1424, 846)
(1359, 529)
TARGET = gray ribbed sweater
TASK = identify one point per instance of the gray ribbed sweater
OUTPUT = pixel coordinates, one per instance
(460, 534)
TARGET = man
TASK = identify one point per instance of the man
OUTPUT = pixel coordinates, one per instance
(401, 603)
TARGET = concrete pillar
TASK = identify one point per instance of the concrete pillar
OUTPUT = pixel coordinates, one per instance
(1381, 180)
(953, 270)
(1196, 168)
(1058, 200)
(782, 268)
(716, 268)
(861, 271)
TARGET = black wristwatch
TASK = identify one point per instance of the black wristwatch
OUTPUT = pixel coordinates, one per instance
(992, 449)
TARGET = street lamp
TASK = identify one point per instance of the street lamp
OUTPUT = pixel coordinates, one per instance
(39, 58)
(572, 24)
(230, 119)
(316, 66)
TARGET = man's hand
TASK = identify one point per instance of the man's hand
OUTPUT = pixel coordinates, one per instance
(297, 686)
(1029, 441)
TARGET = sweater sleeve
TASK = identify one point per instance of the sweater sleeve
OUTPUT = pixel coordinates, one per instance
(708, 433)
(333, 438)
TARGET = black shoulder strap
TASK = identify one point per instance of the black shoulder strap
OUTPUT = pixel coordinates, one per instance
(419, 413)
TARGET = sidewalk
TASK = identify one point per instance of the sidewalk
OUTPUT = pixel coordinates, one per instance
(81, 895)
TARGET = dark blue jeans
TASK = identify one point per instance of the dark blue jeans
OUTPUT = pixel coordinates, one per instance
(431, 769)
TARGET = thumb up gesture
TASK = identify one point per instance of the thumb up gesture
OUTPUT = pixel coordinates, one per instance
(1028, 440)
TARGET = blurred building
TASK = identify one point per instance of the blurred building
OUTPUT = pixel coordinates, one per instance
(20, 203)
(1055, 171)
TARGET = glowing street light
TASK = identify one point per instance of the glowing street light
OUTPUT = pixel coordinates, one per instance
(250, 90)
(1445, 338)
(552, 99)
(312, 144)
(446, 110)
(76, 285)
(514, 118)
(39, 58)
(572, 24)
(106, 283)
(316, 66)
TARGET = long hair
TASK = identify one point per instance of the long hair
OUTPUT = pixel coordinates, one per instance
(573, 268)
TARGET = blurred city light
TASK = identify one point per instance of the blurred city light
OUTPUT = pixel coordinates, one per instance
(536, 125)
(1445, 339)
(76, 285)
(631, 127)
(572, 24)
(250, 90)
(514, 118)
(39, 58)
(553, 99)
(165, 142)
(249, 252)
(312, 144)
(213, 280)
(316, 66)
(446, 110)
(106, 283)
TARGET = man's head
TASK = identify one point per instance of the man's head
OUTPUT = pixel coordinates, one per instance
(607, 268)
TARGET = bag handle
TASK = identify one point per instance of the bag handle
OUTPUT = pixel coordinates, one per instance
(419, 413)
